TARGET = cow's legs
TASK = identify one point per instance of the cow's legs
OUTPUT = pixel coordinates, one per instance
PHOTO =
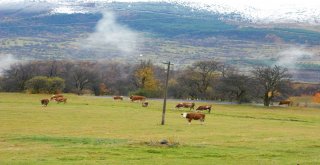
(202, 121)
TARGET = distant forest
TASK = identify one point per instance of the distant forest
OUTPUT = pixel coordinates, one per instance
(209, 80)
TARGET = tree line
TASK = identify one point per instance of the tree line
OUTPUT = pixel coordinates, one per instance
(210, 80)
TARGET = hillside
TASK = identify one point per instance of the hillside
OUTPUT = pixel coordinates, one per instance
(160, 32)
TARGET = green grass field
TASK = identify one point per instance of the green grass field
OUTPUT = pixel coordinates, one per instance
(91, 130)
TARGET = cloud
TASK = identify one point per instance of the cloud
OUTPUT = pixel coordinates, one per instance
(110, 34)
(6, 61)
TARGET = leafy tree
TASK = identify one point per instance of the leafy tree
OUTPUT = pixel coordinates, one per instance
(316, 97)
(144, 77)
(103, 89)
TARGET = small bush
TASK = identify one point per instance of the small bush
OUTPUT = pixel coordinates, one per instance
(170, 142)
(147, 93)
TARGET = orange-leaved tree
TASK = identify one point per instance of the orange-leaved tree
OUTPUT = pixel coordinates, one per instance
(316, 97)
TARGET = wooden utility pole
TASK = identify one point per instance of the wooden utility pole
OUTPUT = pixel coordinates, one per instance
(165, 94)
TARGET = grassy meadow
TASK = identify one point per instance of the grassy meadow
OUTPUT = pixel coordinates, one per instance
(96, 130)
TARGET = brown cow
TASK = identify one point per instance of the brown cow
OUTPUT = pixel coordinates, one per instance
(53, 97)
(185, 105)
(204, 107)
(194, 116)
(44, 102)
(136, 97)
(117, 97)
(145, 104)
(286, 102)
(61, 99)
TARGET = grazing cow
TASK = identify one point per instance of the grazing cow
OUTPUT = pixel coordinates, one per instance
(44, 102)
(286, 102)
(117, 97)
(204, 107)
(53, 97)
(136, 97)
(61, 99)
(145, 104)
(194, 116)
(185, 105)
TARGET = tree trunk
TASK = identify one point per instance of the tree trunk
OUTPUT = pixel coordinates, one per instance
(266, 100)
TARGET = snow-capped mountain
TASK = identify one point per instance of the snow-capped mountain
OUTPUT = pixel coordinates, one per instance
(256, 11)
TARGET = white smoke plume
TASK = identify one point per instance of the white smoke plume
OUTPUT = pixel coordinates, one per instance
(110, 34)
(289, 58)
(6, 61)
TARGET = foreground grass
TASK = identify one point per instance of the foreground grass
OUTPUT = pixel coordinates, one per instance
(90, 130)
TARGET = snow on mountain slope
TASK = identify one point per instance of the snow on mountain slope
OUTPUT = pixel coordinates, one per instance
(256, 11)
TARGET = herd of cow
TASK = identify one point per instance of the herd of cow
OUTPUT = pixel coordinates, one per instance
(189, 116)
(57, 98)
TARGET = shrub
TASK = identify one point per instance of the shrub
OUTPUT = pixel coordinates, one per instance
(55, 85)
(38, 84)
(42, 84)
(147, 93)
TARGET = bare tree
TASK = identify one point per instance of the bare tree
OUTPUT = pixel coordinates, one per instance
(53, 69)
(270, 80)
(235, 87)
(118, 77)
(186, 85)
(227, 70)
(204, 73)
(17, 75)
(83, 76)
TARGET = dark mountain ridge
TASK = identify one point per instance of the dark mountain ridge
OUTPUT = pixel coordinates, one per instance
(170, 31)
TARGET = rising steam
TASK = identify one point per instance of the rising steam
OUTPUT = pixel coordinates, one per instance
(109, 34)
(6, 61)
(289, 58)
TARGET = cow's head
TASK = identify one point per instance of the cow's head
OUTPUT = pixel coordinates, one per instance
(52, 97)
(179, 105)
(184, 115)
